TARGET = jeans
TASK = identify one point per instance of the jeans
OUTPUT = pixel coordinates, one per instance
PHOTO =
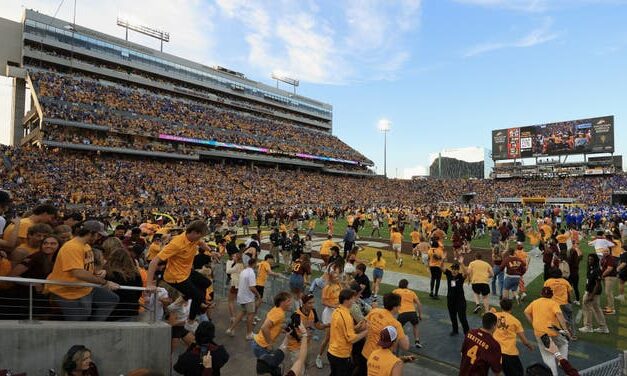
(512, 365)
(498, 276)
(194, 288)
(258, 350)
(548, 358)
(569, 316)
(317, 283)
(95, 306)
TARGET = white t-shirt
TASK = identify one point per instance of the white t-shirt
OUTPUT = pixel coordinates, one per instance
(601, 244)
(180, 311)
(161, 293)
(247, 279)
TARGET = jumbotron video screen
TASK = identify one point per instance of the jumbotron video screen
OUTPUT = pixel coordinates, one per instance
(584, 136)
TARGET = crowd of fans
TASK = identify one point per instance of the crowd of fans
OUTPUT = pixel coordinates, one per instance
(128, 108)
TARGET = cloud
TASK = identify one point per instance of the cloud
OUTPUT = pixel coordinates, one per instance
(340, 43)
(418, 170)
(519, 5)
(535, 37)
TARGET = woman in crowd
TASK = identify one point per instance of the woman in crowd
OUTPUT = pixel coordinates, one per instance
(190, 362)
(122, 270)
(378, 265)
(234, 267)
(77, 362)
(592, 298)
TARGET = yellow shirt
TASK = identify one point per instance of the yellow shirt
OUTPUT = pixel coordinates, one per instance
(153, 251)
(534, 237)
(312, 224)
(262, 272)
(436, 256)
(381, 362)
(331, 295)
(617, 249)
(380, 264)
(507, 328)
(561, 289)
(180, 254)
(490, 223)
(325, 247)
(396, 238)
(342, 333)
(29, 250)
(379, 318)
(562, 238)
(277, 316)
(25, 224)
(479, 271)
(415, 237)
(548, 231)
(72, 255)
(544, 311)
(408, 298)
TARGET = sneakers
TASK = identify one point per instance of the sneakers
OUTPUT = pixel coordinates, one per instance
(603, 330)
(452, 334)
(417, 344)
(400, 262)
(586, 329)
(249, 336)
(230, 332)
(477, 308)
(609, 311)
(523, 296)
(577, 303)
(318, 362)
(620, 297)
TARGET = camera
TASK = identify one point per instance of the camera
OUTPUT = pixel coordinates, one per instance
(293, 324)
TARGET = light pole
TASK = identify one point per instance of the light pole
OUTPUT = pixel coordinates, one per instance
(384, 126)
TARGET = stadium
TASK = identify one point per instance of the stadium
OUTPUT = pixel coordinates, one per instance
(121, 154)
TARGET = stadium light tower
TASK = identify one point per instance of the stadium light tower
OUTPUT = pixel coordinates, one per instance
(384, 126)
(162, 36)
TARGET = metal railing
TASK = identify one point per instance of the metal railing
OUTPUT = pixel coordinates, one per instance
(613, 367)
(31, 282)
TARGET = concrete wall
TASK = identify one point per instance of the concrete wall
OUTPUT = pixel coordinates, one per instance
(11, 46)
(117, 348)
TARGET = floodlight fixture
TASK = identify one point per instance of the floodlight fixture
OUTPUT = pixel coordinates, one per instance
(162, 36)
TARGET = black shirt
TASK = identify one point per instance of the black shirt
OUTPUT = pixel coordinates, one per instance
(128, 305)
(593, 276)
(622, 260)
(364, 280)
(190, 362)
(455, 285)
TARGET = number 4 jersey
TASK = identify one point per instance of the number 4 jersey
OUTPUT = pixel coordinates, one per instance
(480, 353)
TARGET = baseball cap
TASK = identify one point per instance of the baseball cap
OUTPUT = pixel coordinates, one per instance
(95, 226)
(547, 292)
(270, 363)
(387, 337)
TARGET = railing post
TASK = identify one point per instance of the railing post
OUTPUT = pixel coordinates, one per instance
(30, 301)
(153, 308)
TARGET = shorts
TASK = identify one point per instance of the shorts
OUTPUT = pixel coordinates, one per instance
(248, 307)
(377, 273)
(396, 247)
(511, 282)
(297, 282)
(482, 289)
(233, 290)
(406, 317)
(179, 332)
(622, 277)
(327, 313)
(260, 290)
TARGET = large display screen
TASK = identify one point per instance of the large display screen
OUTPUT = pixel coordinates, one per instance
(585, 136)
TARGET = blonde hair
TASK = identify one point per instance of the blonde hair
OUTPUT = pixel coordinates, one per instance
(110, 245)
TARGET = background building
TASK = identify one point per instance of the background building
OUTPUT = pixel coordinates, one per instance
(468, 162)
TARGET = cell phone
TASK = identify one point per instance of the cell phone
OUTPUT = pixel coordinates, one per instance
(546, 341)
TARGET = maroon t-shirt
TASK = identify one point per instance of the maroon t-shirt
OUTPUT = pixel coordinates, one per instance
(480, 353)
(514, 265)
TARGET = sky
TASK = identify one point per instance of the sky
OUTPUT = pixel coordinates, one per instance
(443, 72)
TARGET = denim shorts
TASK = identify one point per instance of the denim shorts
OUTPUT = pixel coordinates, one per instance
(511, 283)
(377, 273)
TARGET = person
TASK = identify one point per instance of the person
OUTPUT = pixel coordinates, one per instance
(330, 302)
(498, 273)
(573, 258)
(507, 329)
(396, 239)
(325, 249)
(309, 320)
(75, 263)
(349, 240)
(275, 243)
(270, 363)
(545, 315)
(44, 213)
(480, 351)
(455, 299)
(155, 247)
(377, 273)
(622, 273)
(122, 270)
(479, 274)
(379, 318)
(264, 269)
(592, 298)
(562, 293)
(343, 333)
(179, 273)
(189, 363)
(364, 282)
(246, 295)
(272, 325)
(375, 225)
(436, 260)
(234, 267)
(609, 275)
(383, 361)
(34, 236)
(178, 314)
(410, 310)
(77, 362)
(513, 268)
(301, 270)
